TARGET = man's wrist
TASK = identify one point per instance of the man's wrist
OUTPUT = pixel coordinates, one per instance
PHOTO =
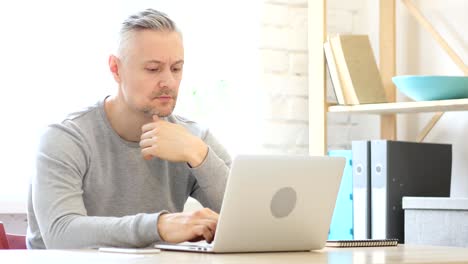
(159, 223)
(199, 153)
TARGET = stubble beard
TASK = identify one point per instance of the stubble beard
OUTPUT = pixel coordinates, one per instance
(151, 111)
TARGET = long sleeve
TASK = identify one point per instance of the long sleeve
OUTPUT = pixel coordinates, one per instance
(57, 194)
(212, 175)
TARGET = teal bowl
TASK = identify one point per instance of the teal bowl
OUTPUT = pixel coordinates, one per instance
(429, 87)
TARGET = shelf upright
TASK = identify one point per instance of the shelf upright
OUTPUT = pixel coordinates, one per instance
(318, 107)
(387, 61)
(317, 30)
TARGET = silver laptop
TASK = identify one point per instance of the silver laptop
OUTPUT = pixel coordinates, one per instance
(275, 203)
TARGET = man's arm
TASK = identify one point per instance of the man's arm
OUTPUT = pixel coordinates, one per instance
(57, 191)
(173, 142)
(211, 175)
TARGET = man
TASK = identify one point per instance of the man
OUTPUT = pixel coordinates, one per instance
(119, 173)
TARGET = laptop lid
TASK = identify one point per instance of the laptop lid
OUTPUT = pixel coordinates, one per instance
(277, 203)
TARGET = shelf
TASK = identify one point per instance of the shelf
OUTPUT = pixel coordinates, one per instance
(403, 107)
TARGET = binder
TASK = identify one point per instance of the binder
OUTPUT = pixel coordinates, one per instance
(404, 169)
(341, 226)
(361, 189)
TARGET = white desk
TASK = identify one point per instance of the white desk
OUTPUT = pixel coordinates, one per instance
(400, 254)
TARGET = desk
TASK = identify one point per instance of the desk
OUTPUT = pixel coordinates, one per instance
(400, 254)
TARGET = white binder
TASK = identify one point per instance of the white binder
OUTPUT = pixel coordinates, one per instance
(361, 189)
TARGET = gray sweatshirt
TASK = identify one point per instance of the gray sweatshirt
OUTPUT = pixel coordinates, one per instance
(94, 189)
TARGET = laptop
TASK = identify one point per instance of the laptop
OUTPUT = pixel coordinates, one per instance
(274, 203)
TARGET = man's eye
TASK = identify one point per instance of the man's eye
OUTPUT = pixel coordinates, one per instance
(152, 69)
(176, 69)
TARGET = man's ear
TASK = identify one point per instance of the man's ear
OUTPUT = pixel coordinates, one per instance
(114, 64)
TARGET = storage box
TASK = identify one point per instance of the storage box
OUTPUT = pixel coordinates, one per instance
(436, 221)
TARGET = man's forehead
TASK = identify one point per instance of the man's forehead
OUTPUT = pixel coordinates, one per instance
(152, 37)
(151, 46)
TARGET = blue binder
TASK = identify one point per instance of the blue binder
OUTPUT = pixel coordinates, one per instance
(341, 227)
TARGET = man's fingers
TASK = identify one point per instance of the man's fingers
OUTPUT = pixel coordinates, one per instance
(205, 232)
(155, 118)
(148, 152)
(148, 142)
(179, 227)
(146, 146)
(149, 134)
(211, 224)
(148, 127)
(206, 228)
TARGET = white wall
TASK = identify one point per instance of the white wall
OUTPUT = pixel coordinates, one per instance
(419, 54)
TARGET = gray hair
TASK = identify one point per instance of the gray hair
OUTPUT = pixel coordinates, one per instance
(147, 19)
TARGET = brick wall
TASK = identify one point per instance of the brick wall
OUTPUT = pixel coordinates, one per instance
(284, 60)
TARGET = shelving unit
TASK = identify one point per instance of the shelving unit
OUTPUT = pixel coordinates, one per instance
(318, 106)
(403, 107)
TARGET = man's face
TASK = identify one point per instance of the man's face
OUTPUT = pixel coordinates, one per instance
(151, 71)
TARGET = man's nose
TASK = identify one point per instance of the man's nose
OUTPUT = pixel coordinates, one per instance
(167, 79)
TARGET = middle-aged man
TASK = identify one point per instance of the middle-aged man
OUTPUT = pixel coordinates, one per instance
(119, 173)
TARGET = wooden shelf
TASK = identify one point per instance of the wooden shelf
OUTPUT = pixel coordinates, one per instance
(403, 107)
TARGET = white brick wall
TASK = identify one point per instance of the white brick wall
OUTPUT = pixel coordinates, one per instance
(275, 15)
(298, 64)
(288, 2)
(284, 57)
(336, 21)
(284, 61)
(275, 61)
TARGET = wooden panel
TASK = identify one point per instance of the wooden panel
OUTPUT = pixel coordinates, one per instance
(403, 107)
(422, 135)
(388, 63)
(317, 90)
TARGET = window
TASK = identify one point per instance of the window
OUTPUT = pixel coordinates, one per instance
(54, 61)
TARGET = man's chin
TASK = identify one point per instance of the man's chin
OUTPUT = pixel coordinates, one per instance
(152, 112)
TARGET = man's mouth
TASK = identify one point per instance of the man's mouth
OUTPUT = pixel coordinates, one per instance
(164, 98)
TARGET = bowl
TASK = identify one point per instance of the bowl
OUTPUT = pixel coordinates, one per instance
(430, 87)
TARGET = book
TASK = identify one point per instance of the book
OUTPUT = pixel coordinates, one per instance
(361, 188)
(358, 73)
(333, 72)
(363, 243)
(398, 169)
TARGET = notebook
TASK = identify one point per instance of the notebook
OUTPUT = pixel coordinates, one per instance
(363, 243)
(275, 203)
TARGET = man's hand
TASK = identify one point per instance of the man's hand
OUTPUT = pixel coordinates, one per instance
(171, 142)
(191, 226)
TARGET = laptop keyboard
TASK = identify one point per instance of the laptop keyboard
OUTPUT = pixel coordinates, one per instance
(202, 245)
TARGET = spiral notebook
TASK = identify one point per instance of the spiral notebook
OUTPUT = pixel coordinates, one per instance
(363, 243)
